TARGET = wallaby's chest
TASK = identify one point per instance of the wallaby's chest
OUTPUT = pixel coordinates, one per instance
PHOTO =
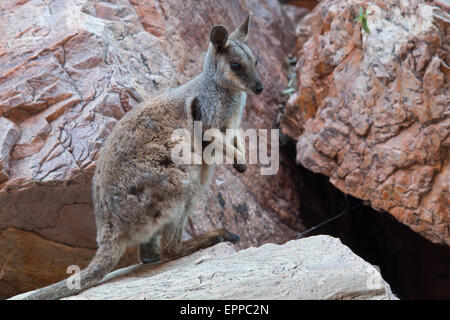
(236, 111)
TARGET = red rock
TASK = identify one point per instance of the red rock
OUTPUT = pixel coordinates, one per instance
(390, 91)
(30, 261)
(310, 4)
(70, 69)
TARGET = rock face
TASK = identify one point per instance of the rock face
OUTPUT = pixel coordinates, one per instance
(9, 133)
(372, 111)
(310, 4)
(69, 70)
(40, 259)
(319, 267)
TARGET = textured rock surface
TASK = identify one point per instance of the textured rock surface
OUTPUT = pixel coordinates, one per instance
(70, 69)
(310, 4)
(318, 267)
(9, 133)
(372, 111)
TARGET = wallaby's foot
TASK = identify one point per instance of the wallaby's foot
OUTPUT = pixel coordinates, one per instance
(149, 252)
(227, 236)
(241, 168)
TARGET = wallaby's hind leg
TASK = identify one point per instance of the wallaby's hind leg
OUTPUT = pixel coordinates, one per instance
(171, 245)
(171, 249)
(149, 252)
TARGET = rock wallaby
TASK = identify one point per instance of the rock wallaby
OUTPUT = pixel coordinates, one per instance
(140, 195)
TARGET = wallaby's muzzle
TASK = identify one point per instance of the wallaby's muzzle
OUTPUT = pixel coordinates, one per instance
(257, 88)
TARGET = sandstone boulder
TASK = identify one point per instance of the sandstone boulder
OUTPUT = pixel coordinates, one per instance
(372, 111)
(319, 267)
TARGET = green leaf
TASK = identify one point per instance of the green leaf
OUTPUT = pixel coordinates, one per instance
(364, 26)
(362, 17)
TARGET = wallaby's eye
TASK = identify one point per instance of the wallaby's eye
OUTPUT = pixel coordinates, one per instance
(235, 66)
(256, 63)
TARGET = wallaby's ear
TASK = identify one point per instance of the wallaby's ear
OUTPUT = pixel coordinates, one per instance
(241, 32)
(218, 37)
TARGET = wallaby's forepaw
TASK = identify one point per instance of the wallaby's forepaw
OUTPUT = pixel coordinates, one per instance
(241, 168)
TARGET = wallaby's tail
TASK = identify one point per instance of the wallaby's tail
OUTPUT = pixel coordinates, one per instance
(105, 260)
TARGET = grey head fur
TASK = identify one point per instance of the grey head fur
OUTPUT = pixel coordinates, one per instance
(230, 61)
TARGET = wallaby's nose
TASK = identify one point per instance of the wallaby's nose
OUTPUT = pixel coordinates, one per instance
(259, 88)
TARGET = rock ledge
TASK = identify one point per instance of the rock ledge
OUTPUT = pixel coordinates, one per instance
(318, 267)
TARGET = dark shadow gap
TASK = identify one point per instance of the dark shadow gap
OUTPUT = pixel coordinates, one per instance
(414, 267)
